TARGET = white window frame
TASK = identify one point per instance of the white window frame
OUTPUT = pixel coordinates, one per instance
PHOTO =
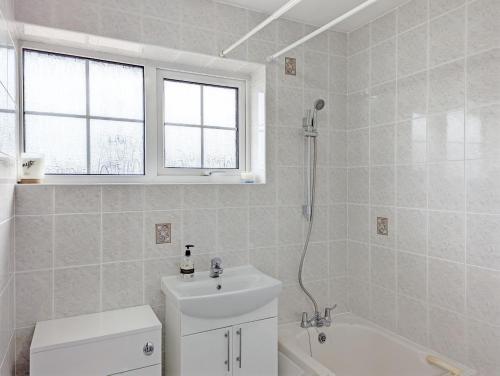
(153, 152)
(87, 116)
(202, 79)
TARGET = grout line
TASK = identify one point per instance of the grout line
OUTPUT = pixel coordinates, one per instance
(427, 177)
(53, 261)
(466, 213)
(101, 250)
(370, 130)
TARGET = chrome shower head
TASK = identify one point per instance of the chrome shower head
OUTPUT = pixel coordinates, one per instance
(319, 104)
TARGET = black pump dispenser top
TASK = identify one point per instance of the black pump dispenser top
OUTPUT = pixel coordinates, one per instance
(188, 250)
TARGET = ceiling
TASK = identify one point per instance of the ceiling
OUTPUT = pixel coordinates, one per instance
(319, 12)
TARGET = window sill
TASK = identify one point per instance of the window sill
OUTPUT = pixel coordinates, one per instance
(137, 180)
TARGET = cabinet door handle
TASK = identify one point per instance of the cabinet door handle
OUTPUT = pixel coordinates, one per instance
(227, 362)
(239, 332)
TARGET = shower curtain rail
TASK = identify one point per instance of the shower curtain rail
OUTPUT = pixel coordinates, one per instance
(277, 14)
(322, 29)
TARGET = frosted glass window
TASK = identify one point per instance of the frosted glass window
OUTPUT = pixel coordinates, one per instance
(219, 104)
(220, 148)
(116, 90)
(182, 103)
(117, 147)
(200, 125)
(183, 147)
(86, 116)
(60, 140)
(54, 83)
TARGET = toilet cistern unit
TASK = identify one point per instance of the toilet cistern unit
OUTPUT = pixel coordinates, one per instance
(125, 342)
(224, 325)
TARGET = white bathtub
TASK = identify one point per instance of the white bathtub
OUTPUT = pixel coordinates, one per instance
(354, 347)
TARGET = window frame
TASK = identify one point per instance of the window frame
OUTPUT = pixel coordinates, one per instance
(151, 68)
(87, 116)
(241, 128)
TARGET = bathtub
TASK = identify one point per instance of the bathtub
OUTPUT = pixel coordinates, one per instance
(354, 347)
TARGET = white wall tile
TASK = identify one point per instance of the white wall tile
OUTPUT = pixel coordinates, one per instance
(483, 74)
(447, 37)
(482, 186)
(412, 319)
(445, 136)
(483, 347)
(359, 39)
(412, 96)
(122, 198)
(412, 51)
(383, 267)
(483, 241)
(481, 133)
(383, 307)
(34, 200)
(383, 104)
(122, 285)
(481, 286)
(33, 297)
(447, 285)
(446, 186)
(34, 242)
(77, 199)
(483, 29)
(358, 71)
(77, 239)
(438, 7)
(411, 186)
(382, 145)
(447, 235)
(447, 333)
(447, 87)
(411, 14)
(412, 275)
(383, 28)
(122, 236)
(411, 141)
(76, 291)
(382, 189)
(359, 186)
(359, 260)
(411, 230)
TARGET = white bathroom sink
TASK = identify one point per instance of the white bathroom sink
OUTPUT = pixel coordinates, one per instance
(237, 291)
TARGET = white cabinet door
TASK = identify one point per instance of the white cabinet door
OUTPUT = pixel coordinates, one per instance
(207, 354)
(255, 348)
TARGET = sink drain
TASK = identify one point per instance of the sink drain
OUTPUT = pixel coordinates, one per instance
(322, 338)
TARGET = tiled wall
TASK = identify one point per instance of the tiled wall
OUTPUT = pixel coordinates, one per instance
(422, 150)
(7, 181)
(86, 249)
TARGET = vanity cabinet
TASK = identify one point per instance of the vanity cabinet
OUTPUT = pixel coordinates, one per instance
(225, 326)
(242, 350)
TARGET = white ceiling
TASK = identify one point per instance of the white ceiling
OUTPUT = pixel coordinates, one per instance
(319, 12)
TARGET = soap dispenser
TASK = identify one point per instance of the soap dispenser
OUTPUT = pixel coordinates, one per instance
(187, 265)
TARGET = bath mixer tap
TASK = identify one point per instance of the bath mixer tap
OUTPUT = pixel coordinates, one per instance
(317, 320)
(216, 268)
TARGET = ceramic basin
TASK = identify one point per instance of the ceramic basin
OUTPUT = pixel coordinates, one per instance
(237, 291)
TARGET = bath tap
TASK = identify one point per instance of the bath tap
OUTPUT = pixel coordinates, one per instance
(216, 268)
(317, 320)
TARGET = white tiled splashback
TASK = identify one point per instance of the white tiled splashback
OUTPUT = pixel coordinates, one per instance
(89, 248)
(422, 141)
